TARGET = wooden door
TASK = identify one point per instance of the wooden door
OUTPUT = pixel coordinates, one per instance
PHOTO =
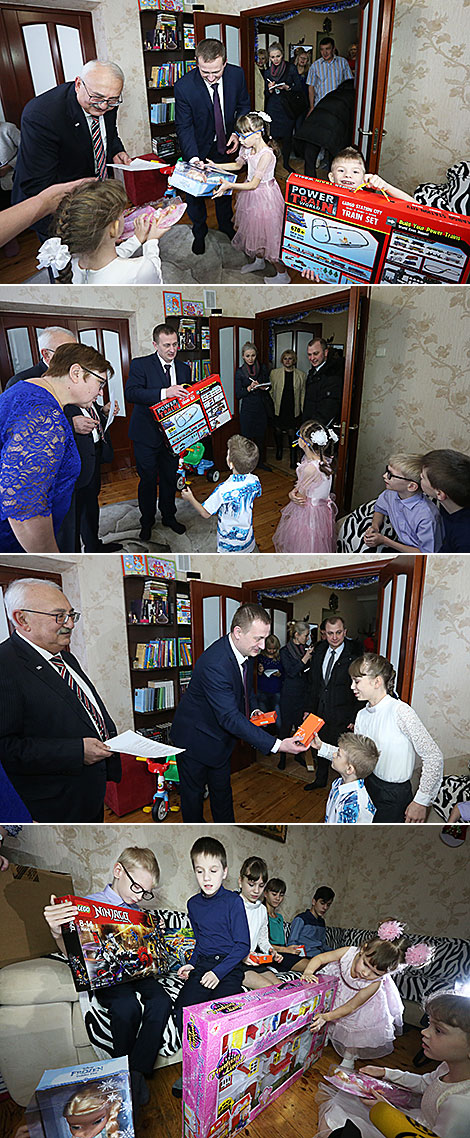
(372, 71)
(40, 48)
(401, 584)
(7, 576)
(227, 336)
(212, 25)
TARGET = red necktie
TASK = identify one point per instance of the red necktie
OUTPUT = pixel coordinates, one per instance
(96, 715)
(98, 148)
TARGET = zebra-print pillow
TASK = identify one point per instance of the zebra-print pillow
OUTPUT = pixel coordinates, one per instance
(354, 526)
(453, 789)
(450, 963)
(452, 195)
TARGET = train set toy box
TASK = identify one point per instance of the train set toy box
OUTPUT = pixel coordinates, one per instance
(108, 945)
(185, 422)
(357, 237)
(91, 1100)
(240, 1053)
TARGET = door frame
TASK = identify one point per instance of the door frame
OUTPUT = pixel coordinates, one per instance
(220, 437)
(16, 89)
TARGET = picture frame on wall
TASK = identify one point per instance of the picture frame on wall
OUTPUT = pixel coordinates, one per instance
(277, 833)
(172, 304)
(161, 567)
(193, 308)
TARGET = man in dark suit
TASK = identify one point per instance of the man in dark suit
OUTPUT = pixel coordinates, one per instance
(332, 695)
(60, 139)
(208, 101)
(324, 386)
(53, 723)
(153, 379)
(214, 712)
(48, 340)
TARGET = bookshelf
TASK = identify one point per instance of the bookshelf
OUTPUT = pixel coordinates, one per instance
(160, 653)
(169, 52)
(194, 343)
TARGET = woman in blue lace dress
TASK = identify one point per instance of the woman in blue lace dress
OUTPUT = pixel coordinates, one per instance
(39, 460)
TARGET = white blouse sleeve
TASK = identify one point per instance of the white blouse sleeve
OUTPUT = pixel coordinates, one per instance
(128, 247)
(409, 1079)
(263, 935)
(453, 1116)
(148, 267)
(327, 751)
(426, 749)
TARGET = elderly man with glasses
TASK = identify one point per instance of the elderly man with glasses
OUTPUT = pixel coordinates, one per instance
(70, 132)
(54, 726)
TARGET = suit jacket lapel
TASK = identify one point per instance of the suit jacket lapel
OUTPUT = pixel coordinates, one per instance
(79, 125)
(47, 674)
(239, 689)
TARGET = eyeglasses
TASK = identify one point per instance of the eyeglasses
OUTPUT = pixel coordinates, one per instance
(388, 474)
(59, 617)
(99, 100)
(103, 382)
(145, 894)
(247, 133)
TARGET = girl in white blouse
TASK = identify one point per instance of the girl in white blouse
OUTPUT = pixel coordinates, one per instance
(401, 739)
(87, 225)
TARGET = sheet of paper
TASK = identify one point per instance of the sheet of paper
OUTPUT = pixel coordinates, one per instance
(113, 397)
(130, 743)
(138, 164)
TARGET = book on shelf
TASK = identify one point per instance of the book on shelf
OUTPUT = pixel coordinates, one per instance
(163, 111)
(183, 609)
(167, 74)
(153, 607)
(189, 37)
(200, 369)
(205, 337)
(185, 652)
(185, 679)
(155, 654)
(156, 697)
(187, 334)
(165, 148)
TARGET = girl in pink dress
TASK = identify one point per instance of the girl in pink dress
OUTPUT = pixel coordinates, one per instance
(259, 217)
(367, 1010)
(307, 525)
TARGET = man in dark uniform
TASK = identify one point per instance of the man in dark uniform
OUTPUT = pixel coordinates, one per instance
(332, 695)
(324, 386)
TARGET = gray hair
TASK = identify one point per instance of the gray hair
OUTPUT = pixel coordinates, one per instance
(249, 346)
(297, 627)
(45, 334)
(92, 63)
(16, 593)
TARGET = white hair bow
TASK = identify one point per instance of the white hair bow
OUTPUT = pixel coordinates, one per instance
(264, 116)
(54, 254)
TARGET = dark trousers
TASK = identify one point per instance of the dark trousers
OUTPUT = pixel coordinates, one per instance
(194, 776)
(285, 142)
(223, 206)
(390, 798)
(194, 992)
(88, 512)
(137, 1033)
(156, 466)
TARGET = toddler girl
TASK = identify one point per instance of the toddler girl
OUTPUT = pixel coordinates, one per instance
(445, 1102)
(307, 525)
(87, 225)
(367, 1010)
(258, 218)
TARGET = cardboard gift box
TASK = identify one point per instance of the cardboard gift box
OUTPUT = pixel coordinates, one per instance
(24, 893)
(186, 421)
(197, 181)
(93, 1096)
(109, 945)
(349, 237)
(310, 727)
(240, 1053)
(263, 718)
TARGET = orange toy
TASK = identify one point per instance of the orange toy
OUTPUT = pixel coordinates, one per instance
(310, 727)
(262, 718)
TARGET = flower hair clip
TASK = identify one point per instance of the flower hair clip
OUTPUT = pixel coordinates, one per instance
(390, 930)
(54, 254)
(262, 115)
(419, 954)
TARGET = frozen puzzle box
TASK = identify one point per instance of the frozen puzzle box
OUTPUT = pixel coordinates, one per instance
(352, 237)
(240, 1053)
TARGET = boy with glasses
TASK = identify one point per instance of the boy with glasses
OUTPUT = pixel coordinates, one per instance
(138, 1009)
(414, 518)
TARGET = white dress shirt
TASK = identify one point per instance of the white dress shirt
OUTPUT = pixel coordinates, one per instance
(173, 378)
(337, 653)
(78, 679)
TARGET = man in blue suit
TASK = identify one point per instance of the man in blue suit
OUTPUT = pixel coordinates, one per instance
(208, 101)
(214, 712)
(151, 380)
(59, 137)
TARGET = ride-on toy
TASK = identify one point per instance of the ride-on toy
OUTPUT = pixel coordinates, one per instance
(193, 460)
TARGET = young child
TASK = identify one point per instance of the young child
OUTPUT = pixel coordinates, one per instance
(219, 923)
(367, 1010)
(137, 1024)
(233, 499)
(307, 524)
(270, 677)
(445, 1102)
(259, 217)
(414, 518)
(309, 928)
(445, 475)
(252, 880)
(86, 227)
(348, 171)
(348, 800)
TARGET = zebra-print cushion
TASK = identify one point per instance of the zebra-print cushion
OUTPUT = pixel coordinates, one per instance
(450, 963)
(454, 194)
(453, 789)
(354, 526)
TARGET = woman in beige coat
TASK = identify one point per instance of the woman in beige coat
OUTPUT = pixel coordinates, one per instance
(287, 392)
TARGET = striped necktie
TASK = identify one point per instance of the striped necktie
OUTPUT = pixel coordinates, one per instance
(96, 715)
(98, 148)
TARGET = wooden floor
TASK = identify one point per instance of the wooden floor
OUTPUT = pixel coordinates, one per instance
(293, 1114)
(122, 487)
(15, 270)
(259, 795)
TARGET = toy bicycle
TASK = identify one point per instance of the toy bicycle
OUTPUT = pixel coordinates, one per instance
(160, 802)
(193, 460)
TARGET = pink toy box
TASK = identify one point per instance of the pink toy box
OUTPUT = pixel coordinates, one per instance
(240, 1053)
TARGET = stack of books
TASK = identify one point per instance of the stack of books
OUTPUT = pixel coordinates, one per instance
(183, 609)
(199, 370)
(156, 697)
(163, 112)
(155, 654)
(187, 334)
(185, 652)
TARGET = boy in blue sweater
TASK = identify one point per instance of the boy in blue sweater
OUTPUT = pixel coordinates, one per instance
(309, 928)
(219, 923)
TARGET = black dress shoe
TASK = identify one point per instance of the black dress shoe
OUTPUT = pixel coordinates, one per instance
(281, 766)
(109, 547)
(145, 532)
(175, 526)
(315, 785)
(198, 246)
(229, 232)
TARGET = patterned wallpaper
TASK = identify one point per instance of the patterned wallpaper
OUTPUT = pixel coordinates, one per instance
(434, 900)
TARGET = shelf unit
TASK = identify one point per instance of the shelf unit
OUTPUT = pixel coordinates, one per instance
(198, 354)
(140, 632)
(156, 58)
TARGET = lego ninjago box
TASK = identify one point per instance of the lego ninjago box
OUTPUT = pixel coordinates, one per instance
(108, 945)
(349, 237)
(241, 1052)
